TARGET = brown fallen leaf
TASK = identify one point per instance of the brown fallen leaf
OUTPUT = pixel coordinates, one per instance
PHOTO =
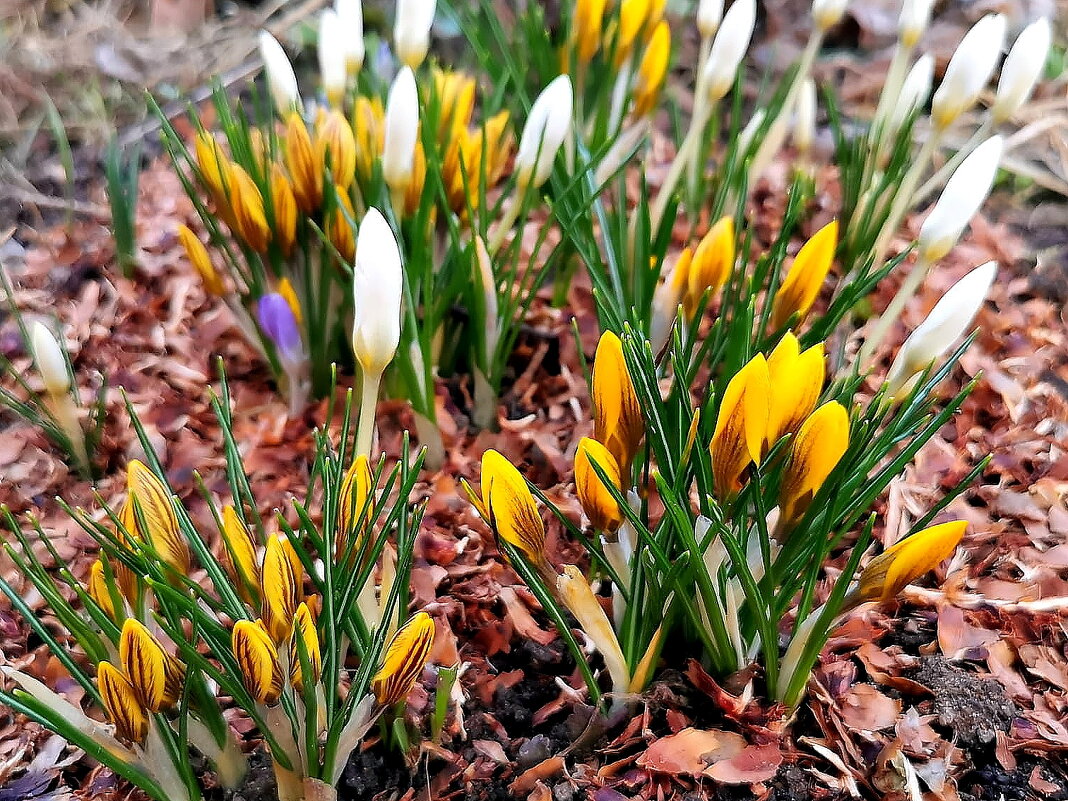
(863, 707)
(753, 764)
(691, 751)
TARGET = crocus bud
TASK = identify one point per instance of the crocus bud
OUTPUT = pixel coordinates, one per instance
(728, 49)
(336, 148)
(914, 92)
(820, 444)
(51, 363)
(828, 13)
(411, 30)
(943, 327)
(304, 168)
(741, 426)
(797, 381)
(633, 15)
(280, 587)
(356, 488)
(201, 260)
(257, 657)
(402, 131)
(240, 557)
(405, 659)
(901, 564)
(712, 263)
(546, 129)
(155, 675)
(618, 422)
(652, 69)
(597, 501)
(246, 202)
(279, 323)
(97, 587)
(508, 506)
(332, 57)
(709, 15)
(280, 78)
(121, 704)
(377, 282)
(913, 22)
(304, 630)
(350, 20)
(283, 209)
(968, 71)
(153, 498)
(804, 132)
(964, 193)
(1021, 69)
(801, 286)
(587, 28)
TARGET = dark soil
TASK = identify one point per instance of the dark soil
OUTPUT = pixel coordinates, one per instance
(971, 708)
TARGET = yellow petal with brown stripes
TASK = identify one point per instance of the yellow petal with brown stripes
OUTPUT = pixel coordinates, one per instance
(404, 661)
(257, 657)
(161, 530)
(618, 422)
(121, 704)
(740, 427)
(279, 590)
(304, 631)
(513, 514)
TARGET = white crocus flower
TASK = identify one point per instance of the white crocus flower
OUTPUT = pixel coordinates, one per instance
(411, 30)
(546, 129)
(332, 71)
(728, 49)
(1022, 69)
(914, 92)
(377, 281)
(401, 131)
(944, 326)
(51, 363)
(828, 13)
(913, 22)
(709, 15)
(964, 193)
(969, 70)
(350, 20)
(280, 77)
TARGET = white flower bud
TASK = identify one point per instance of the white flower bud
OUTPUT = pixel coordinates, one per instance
(749, 132)
(805, 118)
(350, 21)
(913, 22)
(546, 129)
(828, 13)
(51, 363)
(945, 325)
(728, 49)
(377, 282)
(332, 70)
(968, 71)
(401, 130)
(709, 15)
(964, 193)
(411, 30)
(914, 92)
(280, 78)
(1022, 69)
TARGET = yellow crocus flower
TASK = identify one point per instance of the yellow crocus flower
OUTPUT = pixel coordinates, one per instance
(304, 169)
(632, 18)
(456, 100)
(508, 506)
(339, 229)
(200, 259)
(214, 168)
(618, 422)
(280, 587)
(356, 488)
(97, 587)
(586, 28)
(257, 658)
(712, 263)
(289, 294)
(741, 426)
(155, 675)
(405, 659)
(240, 554)
(284, 209)
(901, 564)
(600, 507)
(369, 130)
(304, 628)
(121, 704)
(820, 444)
(797, 379)
(802, 283)
(336, 148)
(161, 530)
(651, 70)
(246, 204)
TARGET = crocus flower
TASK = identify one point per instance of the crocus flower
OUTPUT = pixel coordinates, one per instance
(1022, 69)
(728, 49)
(969, 69)
(411, 30)
(280, 77)
(51, 363)
(546, 129)
(257, 657)
(280, 325)
(600, 507)
(819, 445)
(901, 564)
(801, 286)
(333, 72)
(350, 19)
(914, 19)
(709, 15)
(618, 421)
(402, 131)
(828, 13)
(376, 287)
(404, 661)
(741, 426)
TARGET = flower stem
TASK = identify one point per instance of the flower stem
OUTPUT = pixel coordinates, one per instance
(882, 326)
(365, 428)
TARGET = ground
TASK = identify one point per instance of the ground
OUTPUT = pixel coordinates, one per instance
(963, 688)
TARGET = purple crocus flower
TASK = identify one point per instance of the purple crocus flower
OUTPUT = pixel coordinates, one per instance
(278, 323)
